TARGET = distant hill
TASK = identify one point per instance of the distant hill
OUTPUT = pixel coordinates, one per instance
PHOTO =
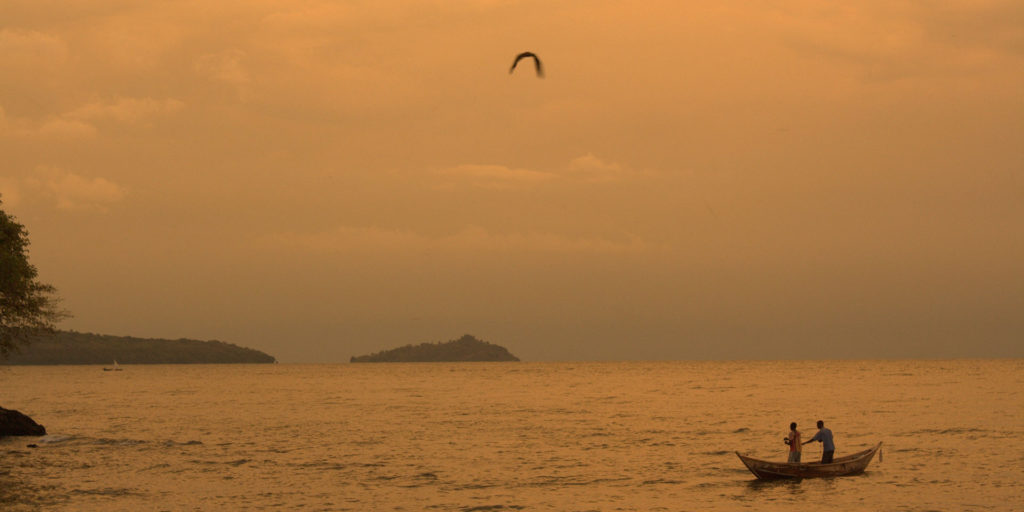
(70, 347)
(466, 348)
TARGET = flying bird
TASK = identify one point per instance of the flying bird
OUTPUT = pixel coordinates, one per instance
(525, 55)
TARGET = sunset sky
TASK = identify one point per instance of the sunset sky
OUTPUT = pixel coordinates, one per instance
(692, 180)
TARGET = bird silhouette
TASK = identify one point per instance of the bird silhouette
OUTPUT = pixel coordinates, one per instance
(525, 55)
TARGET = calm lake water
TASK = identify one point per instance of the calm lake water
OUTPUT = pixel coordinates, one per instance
(510, 436)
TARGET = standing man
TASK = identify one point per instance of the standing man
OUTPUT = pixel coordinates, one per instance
(794, 443)
(824, 436)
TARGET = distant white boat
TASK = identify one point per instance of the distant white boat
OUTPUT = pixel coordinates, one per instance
(116, 368)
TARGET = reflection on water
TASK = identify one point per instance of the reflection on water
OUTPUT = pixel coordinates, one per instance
(509, 436)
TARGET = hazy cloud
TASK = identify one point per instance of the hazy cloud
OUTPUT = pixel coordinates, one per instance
(124, 110)
(26, 50)
(80, 122)
(226, 67)
(493, 176)
(586, 168)
(74, 192)
(889, 41)
(51, 127)
(591, 168)
(470, 240)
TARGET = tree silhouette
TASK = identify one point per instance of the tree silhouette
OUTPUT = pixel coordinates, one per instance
(27, 307)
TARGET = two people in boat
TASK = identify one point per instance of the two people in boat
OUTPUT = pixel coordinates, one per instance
(824, 436)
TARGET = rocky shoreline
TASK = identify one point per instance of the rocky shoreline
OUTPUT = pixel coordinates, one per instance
(14, 423)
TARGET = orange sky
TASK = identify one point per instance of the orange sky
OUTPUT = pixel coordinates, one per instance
(692, 180)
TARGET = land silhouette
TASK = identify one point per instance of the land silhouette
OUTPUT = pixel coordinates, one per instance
(71, 347)
(466, 348)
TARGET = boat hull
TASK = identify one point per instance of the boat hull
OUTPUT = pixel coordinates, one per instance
(843, 466)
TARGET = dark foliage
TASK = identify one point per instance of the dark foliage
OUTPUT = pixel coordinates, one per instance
(466, 348)
(27, 307)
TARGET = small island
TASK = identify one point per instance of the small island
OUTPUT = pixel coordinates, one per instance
(71, 347)
(466, 348)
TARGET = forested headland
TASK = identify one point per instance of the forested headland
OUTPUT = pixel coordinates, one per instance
(71, 347)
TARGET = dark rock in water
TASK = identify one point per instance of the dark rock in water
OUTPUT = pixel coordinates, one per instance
(14, 423)
(466, 348)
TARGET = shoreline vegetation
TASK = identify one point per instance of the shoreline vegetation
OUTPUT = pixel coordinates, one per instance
(78, 348)
(467, 348)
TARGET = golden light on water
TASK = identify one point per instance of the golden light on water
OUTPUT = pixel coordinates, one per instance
(510, 436)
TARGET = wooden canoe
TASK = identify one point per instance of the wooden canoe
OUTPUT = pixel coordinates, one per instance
(842, 466)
